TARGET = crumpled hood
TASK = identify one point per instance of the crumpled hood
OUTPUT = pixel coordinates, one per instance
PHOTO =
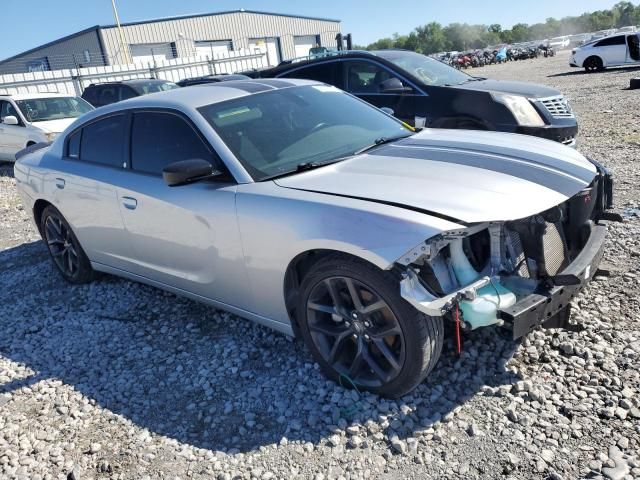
(54, 126)
(526, 89)
(465, 175)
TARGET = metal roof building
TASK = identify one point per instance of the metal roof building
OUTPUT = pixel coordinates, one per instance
(280, 36)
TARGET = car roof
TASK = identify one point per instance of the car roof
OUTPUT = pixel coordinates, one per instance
(134, 81)
(32, 96)
(204, 94)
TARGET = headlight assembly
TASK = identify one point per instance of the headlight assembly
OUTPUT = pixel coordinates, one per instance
(50, 136)
(521, 107)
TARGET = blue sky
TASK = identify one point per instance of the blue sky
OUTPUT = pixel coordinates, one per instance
(29, 23)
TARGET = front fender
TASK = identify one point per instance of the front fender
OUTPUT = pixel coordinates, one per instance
(277, 224)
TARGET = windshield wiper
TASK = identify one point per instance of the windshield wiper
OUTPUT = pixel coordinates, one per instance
(301, 167)
(380, 141)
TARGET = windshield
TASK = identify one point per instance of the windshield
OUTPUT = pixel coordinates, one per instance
(272, 133)
(152, 87)
(54, 108)
(426, 69)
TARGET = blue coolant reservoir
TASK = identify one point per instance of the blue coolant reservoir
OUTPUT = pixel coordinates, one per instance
(482, 311)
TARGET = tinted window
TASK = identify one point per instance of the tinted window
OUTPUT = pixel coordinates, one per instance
(619, 40)
(366, 77)
(6, 110)
(107, 95)
(102, 141)
(152, 87)
(73, 145)
(323, 72)
(158, 139)
(426, 69)
(90, 95)
(127, 92)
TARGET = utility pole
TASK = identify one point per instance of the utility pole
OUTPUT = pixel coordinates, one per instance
(123, 43)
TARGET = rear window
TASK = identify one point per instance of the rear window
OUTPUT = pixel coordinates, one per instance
(152, 87)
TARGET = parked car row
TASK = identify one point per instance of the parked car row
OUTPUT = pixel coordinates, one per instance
(306, 209)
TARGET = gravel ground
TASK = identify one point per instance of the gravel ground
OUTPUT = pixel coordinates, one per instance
(120, 380)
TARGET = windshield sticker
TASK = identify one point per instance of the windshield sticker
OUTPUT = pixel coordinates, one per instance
(235, 111)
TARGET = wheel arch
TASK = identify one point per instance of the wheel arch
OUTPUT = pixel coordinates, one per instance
(299, 267)
(38, 208)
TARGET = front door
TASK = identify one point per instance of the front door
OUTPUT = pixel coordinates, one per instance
(365, 79)
(12, 137)
(633, 48)
(186, 237)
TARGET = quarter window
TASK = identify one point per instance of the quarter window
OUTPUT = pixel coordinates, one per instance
(102, 141)
(73, 145)
(158, 139)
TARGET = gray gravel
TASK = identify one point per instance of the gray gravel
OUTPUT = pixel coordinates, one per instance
(120, 380)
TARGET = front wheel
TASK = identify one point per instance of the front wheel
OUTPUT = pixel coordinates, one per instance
(66, 252)
(360, 330)
(593, 64)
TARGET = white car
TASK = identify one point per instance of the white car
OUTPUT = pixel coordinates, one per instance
(611, 51)
(30, 118)
(560, 43)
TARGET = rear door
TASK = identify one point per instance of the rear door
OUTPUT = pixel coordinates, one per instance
(186, 237)
(83, 187)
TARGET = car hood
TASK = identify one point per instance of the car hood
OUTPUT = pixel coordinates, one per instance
(463, 176)
(529, 90)
(54, 126)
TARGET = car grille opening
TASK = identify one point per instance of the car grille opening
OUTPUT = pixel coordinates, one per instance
(558, 107)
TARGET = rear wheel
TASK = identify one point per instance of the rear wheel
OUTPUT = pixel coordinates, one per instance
(66, 252)
(593, 64)
(360, 330)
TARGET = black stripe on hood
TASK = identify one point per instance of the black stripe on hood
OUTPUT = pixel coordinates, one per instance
(547, 176)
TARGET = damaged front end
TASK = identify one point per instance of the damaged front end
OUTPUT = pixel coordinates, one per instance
(521, 273)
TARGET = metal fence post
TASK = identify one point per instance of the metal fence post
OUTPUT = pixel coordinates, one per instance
(211, 65)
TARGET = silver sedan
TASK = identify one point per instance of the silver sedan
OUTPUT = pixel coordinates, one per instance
(300, 207)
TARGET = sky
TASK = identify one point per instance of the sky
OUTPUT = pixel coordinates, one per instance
(29, 23)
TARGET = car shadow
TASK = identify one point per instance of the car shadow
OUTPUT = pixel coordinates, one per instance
(609, 70)
(203, 377)
(6, 169)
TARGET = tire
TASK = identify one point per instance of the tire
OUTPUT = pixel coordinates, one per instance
(593, 64)
(65, 249)
(634, 83)
(391, 328)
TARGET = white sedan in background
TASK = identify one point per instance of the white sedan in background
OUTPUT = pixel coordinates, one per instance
(30, 118)
(611, 51)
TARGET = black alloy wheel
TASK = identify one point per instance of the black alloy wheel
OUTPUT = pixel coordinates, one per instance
(593, 64)
(64, 247)
(355, 331)
(360, 330)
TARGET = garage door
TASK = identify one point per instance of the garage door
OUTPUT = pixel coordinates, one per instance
(304, 44)
(268, 46)
(213, 48)
(145, 53)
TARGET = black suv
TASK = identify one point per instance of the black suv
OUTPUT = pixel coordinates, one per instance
(100, 94)
(422, 91)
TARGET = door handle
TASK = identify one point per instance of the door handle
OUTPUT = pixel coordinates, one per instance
(60, 183)
(129, 202)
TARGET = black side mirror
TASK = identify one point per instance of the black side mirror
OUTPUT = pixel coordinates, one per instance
(188, 171)
(393, 85)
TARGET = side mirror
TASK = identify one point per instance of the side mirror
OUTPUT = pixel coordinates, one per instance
(393, 85)
(388, 111)
(188, 171)
(10, 120)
